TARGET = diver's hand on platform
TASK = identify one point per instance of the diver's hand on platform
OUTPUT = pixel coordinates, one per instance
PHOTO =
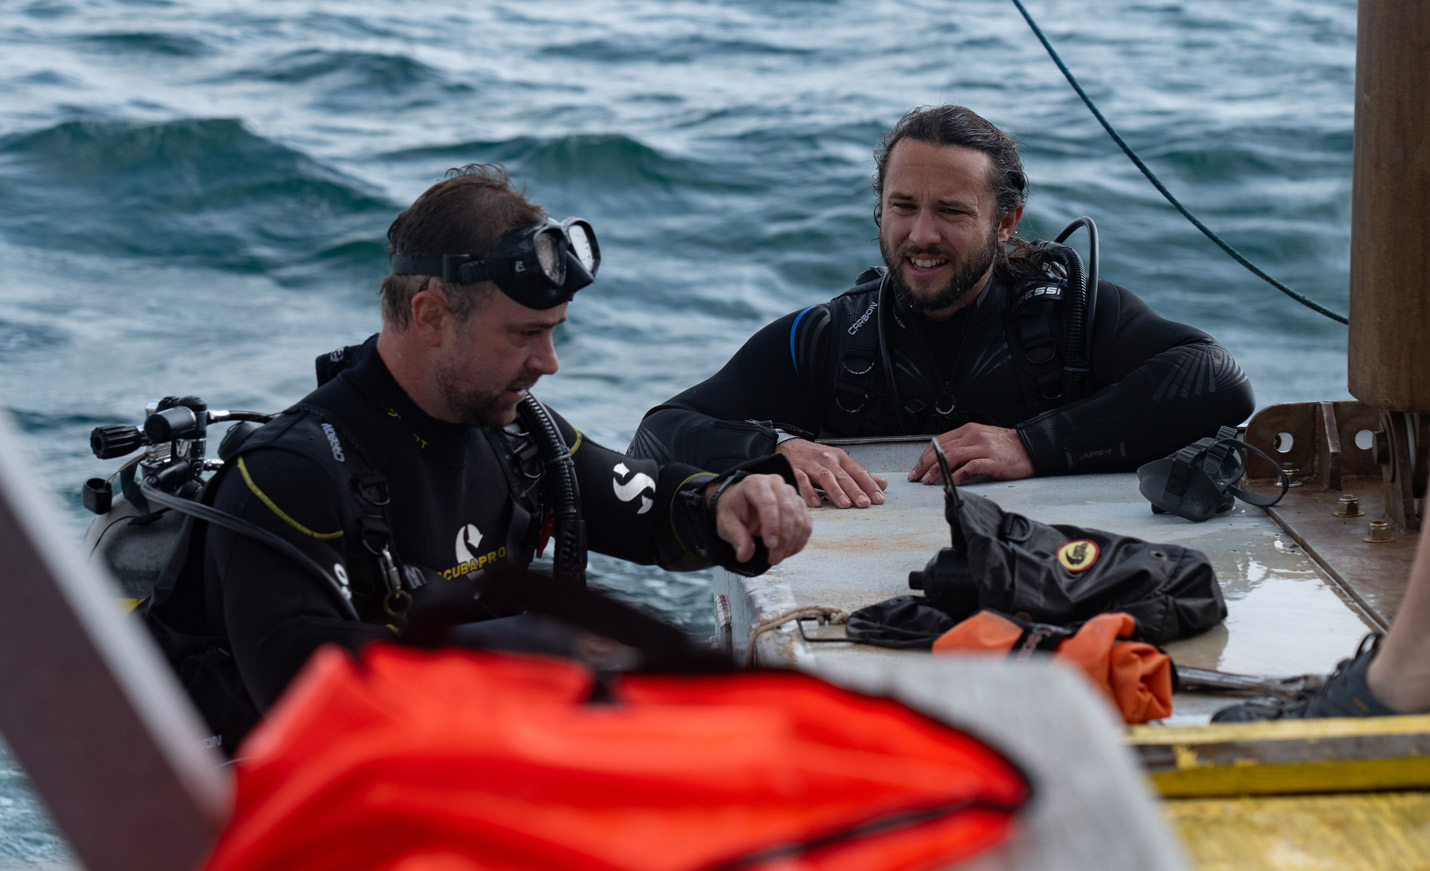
(975, 450)
(764, 507)
(830, 469)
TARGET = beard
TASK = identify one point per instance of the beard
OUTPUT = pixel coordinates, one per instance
(482, 407)
(968, 271)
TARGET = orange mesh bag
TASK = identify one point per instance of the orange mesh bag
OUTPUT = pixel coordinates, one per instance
(472, 761)
(1136, 676)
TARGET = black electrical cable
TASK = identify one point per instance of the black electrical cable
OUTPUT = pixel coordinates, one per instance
(1236, 255)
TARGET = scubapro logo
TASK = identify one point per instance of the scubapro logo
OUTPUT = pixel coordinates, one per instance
(628, 486)
(470, 560)
(863, 319)
(469, 538)
(333, 442)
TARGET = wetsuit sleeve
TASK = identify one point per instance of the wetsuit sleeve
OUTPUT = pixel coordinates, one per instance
(652, 513)
(731, 417)
(275, 612)
(1156, 386)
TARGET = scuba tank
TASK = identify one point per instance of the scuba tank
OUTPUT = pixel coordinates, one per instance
(130, 536)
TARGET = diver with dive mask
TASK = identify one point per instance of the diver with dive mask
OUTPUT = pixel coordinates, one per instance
(539, 266)
(388, 492)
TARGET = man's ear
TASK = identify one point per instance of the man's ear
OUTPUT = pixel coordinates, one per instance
(430, 313)
(1009, 223)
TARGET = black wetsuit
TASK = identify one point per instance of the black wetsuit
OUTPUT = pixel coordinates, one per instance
(1154, 385)
(462, 499)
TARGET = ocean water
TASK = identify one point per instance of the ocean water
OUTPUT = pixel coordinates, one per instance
(194, 195)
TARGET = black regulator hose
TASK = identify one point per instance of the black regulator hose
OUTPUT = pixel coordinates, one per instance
(1082, 289)
(234, 523)
(1094, 256)
(1075, 368)
(569, 553)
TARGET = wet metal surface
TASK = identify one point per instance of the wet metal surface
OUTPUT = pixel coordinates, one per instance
(1334, 451)
(1286, 615)
(1374, 573)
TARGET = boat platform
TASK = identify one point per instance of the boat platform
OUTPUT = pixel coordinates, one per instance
(1266, 795)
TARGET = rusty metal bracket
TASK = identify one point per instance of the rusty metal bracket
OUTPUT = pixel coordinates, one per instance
(1317, 443)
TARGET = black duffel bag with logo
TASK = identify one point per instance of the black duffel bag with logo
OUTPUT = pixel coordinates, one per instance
(1045, 573)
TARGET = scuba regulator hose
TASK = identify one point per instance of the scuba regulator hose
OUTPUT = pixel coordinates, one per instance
(569, 555)
(1082, 290)
(209, 514)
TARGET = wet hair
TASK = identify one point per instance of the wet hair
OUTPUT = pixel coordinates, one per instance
(954, 125)
(465, 213)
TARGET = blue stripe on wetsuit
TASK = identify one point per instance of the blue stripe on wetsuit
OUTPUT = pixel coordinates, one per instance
(793, 327)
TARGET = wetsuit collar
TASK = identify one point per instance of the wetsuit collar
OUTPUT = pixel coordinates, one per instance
(439, 441)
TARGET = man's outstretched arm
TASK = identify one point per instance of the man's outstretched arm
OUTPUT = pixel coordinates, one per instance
(661, 513)
(1157, 386)
(733, 415)
(775, 382)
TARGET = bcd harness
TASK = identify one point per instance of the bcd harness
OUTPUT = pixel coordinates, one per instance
(183, 611)
(537, 455)
(1046, 322)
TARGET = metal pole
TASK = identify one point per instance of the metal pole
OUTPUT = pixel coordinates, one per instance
(90, 709)
(1389, 360)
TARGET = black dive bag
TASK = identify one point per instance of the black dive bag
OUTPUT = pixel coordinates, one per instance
(1056, 574)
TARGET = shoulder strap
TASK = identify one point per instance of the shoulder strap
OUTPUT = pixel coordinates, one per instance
(857, 343)
(366, 489)
(333, 447)
(1048, 328)
(1033, 316)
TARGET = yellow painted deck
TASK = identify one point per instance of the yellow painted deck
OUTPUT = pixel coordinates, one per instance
(1286, 757)
(1320, 795)
(1380, 831)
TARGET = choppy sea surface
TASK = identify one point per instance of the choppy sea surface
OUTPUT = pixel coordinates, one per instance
(194, 195)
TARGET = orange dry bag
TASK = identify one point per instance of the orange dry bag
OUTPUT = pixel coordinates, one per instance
(1136, 676)
(464, 760)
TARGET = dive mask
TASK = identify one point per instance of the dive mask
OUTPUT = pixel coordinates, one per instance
(1201, 479)
(540, 266)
